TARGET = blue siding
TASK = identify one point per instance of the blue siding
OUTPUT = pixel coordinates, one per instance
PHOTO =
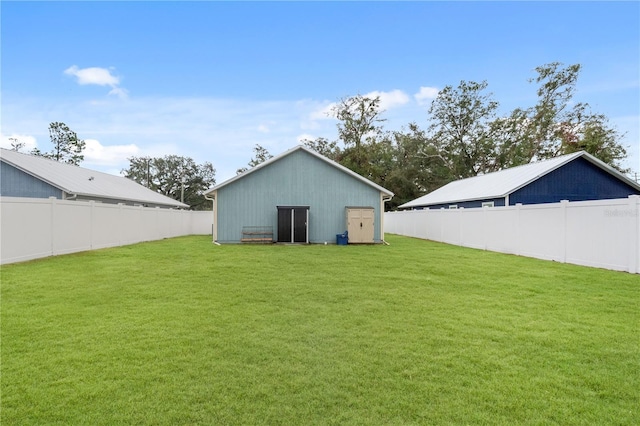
(16, 183)
(497, 202)
(578, 180)
(297, 179)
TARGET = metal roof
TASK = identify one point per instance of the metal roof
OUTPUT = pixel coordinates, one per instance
(309, 151)
(504, 182)
(79, 181)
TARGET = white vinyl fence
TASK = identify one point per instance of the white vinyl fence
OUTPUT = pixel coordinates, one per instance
(31, 228)
(603, 233)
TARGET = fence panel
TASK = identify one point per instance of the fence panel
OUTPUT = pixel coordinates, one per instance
(608, 241)
(500, 225)
(470, 234)
(25, 233)
(603, 233)
(34, 228)
(541, 231)
(72, 230)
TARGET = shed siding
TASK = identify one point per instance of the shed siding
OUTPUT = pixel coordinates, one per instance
(298, 179)
(578, 180)
(16, 183)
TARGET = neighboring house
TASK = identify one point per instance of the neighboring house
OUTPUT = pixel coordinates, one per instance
(298, 197)
(23, 175)
(573, 177)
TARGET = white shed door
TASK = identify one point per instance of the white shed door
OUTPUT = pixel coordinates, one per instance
(360, 224)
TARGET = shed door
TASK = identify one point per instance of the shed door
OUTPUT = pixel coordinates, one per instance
(293, 224)
(360, 224)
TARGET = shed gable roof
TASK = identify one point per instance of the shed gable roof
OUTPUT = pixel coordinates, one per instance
(504, 182)
(311, 152)
(85, 182)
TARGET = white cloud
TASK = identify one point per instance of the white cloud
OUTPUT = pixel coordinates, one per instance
(119, 92)
(324, 112)
(389, 100)
(426, 94)
(93, 75)
(305, 136)
(97, 76)
(29, 141)
(96, 153)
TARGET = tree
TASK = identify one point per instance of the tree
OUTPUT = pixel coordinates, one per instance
(469, 139)
(260, 155)
(556, 125)
(460, 128)
(419, 165)
(514, 139)
(556, 88)
(176, 177)
(67, 147)
(16, 145)
(358, 118)
(323, 147)
(598, 138)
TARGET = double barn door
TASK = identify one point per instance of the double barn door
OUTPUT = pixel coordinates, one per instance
(293, 224)
(360, 224)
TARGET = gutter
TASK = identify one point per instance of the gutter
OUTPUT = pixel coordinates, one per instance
(383, 199)
(214, 224)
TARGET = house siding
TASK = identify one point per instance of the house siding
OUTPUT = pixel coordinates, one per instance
(579, 180)
(297, 179)
(497, 202)
(16, 183)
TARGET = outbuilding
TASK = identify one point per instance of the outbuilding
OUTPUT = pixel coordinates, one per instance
(299, 196)
(24, 175)
(573, 177)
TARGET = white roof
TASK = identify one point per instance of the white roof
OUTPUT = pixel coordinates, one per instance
(310, 151)
(79, 181)
(504, 182)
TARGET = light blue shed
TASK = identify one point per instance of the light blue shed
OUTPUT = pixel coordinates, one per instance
(299, 196)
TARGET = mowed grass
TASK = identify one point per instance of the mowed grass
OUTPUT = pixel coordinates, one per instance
(182, 331)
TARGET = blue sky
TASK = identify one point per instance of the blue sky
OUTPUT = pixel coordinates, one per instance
(209, 80)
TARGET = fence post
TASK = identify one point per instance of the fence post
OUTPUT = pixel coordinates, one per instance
(120, 228)
(634, 238)
(518, 229)
(563, 206)
(53, 225)
(485, 236)
(91, 220)
(460, 218)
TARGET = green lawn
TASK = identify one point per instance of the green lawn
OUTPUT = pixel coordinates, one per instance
(182, 331)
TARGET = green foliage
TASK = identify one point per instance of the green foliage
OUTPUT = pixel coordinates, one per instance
(419, 166)
(324, 147)
(596, 137)
(16, 145)
(358, 120)
(176, 177)
(358, 129)
(260, 155)
(556, 125)
(182, 331)
(460, 128)
(466, 136)
(67, 147)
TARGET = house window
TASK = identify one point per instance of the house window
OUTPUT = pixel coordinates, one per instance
(453, 206)
(487, 204)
